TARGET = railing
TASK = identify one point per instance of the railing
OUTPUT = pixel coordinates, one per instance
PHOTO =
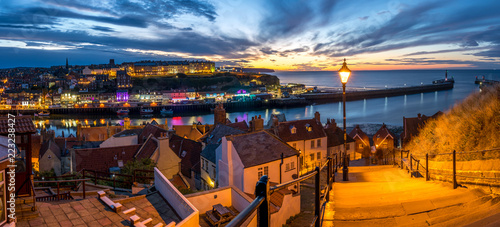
(59, 195)
(112, 177)
(263, 193)
(477, 155)
(33, 196)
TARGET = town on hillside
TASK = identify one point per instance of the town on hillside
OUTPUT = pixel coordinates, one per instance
(203, 174)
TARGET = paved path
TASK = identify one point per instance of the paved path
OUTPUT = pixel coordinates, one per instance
(387, 196)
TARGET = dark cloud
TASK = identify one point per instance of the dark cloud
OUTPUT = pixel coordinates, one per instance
(364, 18)
(443, 51)
(103, 29)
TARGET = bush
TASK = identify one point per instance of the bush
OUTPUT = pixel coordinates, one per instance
(469, 126)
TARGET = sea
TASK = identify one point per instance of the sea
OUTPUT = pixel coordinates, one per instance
(388, 110)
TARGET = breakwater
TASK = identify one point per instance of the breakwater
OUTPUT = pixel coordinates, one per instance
(369, 94)
(194, 109)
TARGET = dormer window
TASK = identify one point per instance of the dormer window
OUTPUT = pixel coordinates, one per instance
(183, 154)
(49, 157)
(308, 128)
(293, 130)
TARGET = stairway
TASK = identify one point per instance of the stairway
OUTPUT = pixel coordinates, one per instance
(26, 208)
(387, 196)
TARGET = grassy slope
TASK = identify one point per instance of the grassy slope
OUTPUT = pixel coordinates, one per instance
(471, 125)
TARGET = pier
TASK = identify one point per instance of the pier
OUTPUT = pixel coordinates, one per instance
(192, 109)
(389, 92)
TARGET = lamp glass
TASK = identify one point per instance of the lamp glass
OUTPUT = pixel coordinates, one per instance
(344, 76)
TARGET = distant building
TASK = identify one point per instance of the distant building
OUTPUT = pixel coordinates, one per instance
(362, 142)
(411, 126)
(163, 68)
(384, 139)
(335, 137)
(123, 80)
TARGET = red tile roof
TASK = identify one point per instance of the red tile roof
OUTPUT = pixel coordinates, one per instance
(260, 147)
(284, 130)
(101, 159)
(52, 146)
(382, 134)
(335, 137)
(357, 133)
(188, 151)
(22, 124)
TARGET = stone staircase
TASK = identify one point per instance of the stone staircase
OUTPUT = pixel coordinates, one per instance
(26, 208)
(387, 196)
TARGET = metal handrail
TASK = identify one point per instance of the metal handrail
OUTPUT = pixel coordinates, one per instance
(284, 185)
(241, 217)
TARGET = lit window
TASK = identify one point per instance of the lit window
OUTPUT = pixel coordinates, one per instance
(266, 171)
(294, 145)
(287, 166)
(293, 129)
(312, 157)
(318, 157)
(259, 173)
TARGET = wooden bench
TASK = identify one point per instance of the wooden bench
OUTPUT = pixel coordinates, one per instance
(117, 207)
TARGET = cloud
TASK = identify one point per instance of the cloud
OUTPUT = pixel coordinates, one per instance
(103, 29)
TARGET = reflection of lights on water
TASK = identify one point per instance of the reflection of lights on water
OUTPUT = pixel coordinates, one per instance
(340, 107)
(364, 106)
(405, 100)
(421, 98)
(385, 103)
(103, 121)
(435, 96)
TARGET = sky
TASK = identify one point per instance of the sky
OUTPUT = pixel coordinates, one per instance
(277, 34)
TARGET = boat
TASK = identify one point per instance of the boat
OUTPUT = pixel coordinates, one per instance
(122, 112)
(146, 111)
(166, 112)
(43, 114)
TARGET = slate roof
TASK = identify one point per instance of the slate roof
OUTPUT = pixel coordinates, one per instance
(128, 132)
(260, 147)
(191, 157)
(241, 125)
(335, 137)
(148, 130)
(23, 124)
(281, 118)
(101, 159)
(52, 146)
(219, 131)
(209, 152)
(284, 131)
(147, 149)
(356, 131)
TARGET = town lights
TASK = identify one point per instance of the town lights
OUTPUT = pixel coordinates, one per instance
(344, 73)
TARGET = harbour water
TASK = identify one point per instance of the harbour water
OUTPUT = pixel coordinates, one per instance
(389, 110)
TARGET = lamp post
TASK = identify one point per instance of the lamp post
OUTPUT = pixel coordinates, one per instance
(344, 73)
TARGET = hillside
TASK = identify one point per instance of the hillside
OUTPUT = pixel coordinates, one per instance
(471, 125)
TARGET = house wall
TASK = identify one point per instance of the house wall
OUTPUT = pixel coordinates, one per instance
(119, 141)
(351, 151)
(47, 164)
(207, 173)
(166, 160)
(305, 147)
(251, 174)
(290, 207)
(203, 201)
(186, 211)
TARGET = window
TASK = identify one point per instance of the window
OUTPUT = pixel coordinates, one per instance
(266, 171)
(293, 130)
(287, 167)
(318, 143)
(308, 128)
(360, 145)
(292, 165)
(318, 155)
(206, 165)
(259, 174)
(312, 157)
(348, 146)
(312, 143)
(294, 145)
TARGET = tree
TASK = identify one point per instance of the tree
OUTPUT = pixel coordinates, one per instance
(143, 164)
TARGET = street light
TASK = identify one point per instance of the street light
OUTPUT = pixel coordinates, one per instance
(344, 73)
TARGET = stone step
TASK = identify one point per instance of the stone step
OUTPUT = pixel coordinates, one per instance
(130, 211)
(491, 221)
(27, 215)
(24, 200)
(458, 211)
(457, 207)
(25, 208)
(158, 225)
(475, 214)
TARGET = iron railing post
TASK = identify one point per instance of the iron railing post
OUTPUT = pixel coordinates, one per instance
(427, 167)
(401, 159)
(411, 166)
(329, 178)
(84, 188)
(317, 201)
(454, 169)
(263, 212)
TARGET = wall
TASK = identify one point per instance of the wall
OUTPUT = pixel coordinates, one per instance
(306, 151)
(47, 164)
(251, 174)
(182, 206)
(203, 201)
(119, 141)
(290, 207)
(167, 161)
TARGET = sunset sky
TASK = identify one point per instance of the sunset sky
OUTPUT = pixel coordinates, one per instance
(282, 35)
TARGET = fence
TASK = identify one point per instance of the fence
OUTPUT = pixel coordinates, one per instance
(263, 193)
(123, 180)
(416, 168)
(59, 195)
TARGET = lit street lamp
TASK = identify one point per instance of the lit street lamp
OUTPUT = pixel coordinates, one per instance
(344, 73)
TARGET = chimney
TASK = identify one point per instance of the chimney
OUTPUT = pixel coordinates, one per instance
(317, 117)
(257, 124)
(166, 124)
(126, 123)
(79, 131)
(419, 115)
(235, 119)
(219, 114)
(275, 122)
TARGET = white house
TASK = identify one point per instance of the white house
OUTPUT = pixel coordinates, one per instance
(306, 136)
